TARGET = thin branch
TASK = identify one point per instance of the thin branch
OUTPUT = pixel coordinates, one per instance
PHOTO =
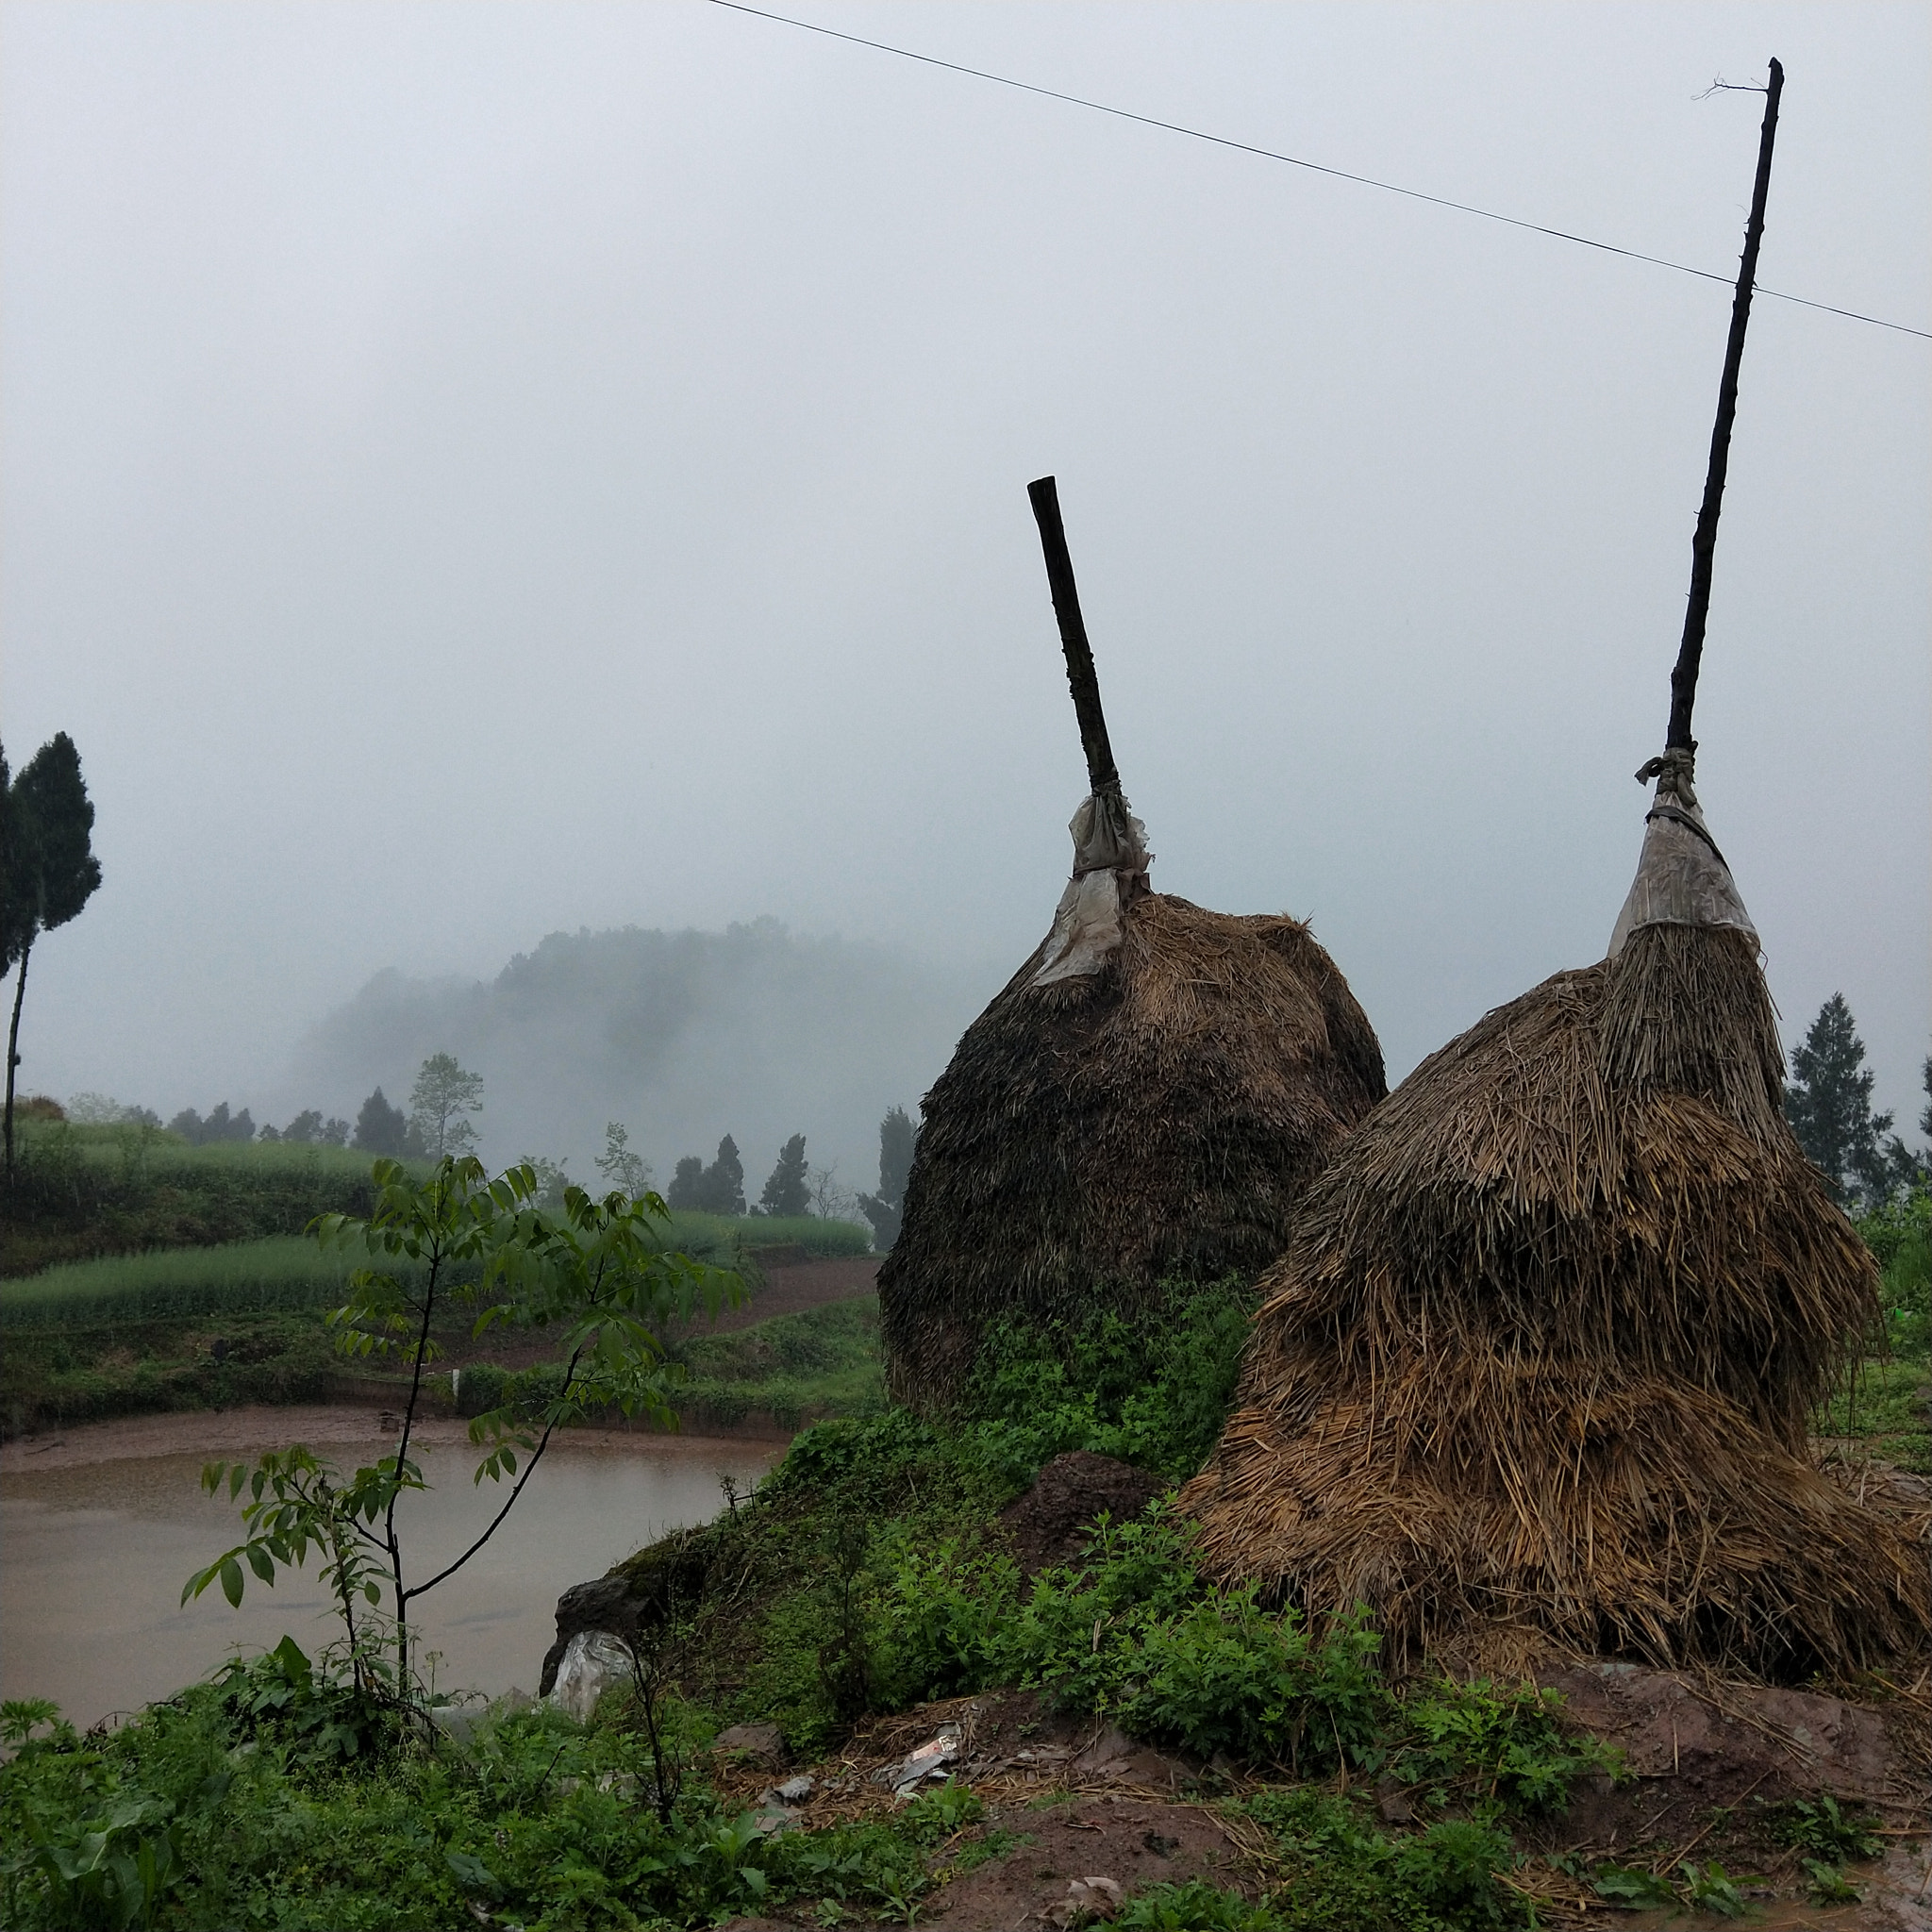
(529, 1470)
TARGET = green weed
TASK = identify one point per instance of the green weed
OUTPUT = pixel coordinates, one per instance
(1822, 1827)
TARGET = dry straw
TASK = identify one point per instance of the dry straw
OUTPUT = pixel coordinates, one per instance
(1544, 1346)
(1091, 1136)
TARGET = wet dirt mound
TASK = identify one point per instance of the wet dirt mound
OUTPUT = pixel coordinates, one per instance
(1086, 1856)
(1049, 1524)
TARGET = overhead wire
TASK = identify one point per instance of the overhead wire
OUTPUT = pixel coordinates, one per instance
(1267, 154)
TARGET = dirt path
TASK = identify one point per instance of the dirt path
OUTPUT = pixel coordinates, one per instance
(791, 1291)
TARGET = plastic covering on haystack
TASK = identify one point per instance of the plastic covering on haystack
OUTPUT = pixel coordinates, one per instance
(1110, 861)
(1681, 877)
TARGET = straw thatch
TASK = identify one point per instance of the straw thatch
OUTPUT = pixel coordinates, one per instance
(1094, 1134)
(1544, 1345)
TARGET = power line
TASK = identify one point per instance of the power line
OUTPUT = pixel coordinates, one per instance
(1267, 154)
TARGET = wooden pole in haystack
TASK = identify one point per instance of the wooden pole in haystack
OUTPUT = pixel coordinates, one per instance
(1101, 773)
(1704, 543)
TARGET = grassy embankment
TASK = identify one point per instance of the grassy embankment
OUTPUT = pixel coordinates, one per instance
(869, 1574)
(185, 1326)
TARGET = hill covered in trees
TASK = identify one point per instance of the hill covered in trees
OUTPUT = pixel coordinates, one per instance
(684, 1036)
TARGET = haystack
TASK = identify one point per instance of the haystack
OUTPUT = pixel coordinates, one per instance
(1147, 1097)
(1544, 1346)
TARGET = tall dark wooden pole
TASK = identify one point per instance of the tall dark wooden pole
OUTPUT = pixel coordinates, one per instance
(1704, 544)
(1101, 771)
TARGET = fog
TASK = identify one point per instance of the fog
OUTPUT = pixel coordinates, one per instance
(472, 472)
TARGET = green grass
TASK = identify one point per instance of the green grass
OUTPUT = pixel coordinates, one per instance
(794, 1368)
(83, 1192)
(52, 1378)
(239, 1278)
(721, 1236)
(1887, 1408)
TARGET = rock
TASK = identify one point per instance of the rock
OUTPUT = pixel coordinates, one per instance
(632, 1601)
(762, 1743)
(594, 1663)
(1050, 1523)
(795, 1791)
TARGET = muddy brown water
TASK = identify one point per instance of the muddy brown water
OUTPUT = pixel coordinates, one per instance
(100, 1529)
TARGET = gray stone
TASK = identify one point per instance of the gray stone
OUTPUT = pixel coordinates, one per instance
(762, 1743)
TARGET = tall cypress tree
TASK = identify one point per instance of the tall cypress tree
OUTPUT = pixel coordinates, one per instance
(721, 1185)
(897, 1139)
(48, 870)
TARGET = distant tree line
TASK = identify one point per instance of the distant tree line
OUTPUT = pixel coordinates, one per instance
(438, 1120)
(794, 1187)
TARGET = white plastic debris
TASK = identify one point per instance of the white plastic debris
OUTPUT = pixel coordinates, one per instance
(1087, 1898)
(932, 1760)
(594, 1661)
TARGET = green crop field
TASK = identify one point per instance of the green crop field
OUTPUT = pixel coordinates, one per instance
(240, 1279)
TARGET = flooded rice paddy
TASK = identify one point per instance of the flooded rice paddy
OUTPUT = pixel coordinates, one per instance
(99, 1531)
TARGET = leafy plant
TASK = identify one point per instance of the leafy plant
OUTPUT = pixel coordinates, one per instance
(1822, 1827)
(1343, 1875)
(1634, 1887)
(1506, 1746)
(598, 1271)
(1828, 1885)
(1154, 1391)
(1711, 1889)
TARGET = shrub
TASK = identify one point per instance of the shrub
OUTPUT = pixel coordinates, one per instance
(1506, 1747)
(1153, 1391)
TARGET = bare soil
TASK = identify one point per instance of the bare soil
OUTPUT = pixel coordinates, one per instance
(1050, 1523)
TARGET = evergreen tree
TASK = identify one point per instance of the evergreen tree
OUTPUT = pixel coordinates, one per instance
(687, 1183)
(897, 1139)
(440, 1104)
(188, 1124)
(305, 1128)
(380, 1128)
(787, 1192)
(1828, 1103)
(721, 1188)
(48, 870)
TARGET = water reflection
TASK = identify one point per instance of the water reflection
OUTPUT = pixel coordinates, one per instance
(92, 1559)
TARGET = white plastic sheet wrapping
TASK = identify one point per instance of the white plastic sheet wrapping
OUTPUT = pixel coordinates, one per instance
(1681, 877)
(594, 1663)
(1110, 861)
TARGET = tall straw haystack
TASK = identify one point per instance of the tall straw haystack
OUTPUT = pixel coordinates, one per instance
(1543, 1348)
(1147, 1097)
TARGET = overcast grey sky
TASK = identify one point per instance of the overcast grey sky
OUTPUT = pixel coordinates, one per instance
(472, 471)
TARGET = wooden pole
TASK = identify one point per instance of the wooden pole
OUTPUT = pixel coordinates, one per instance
(1704, 544)
(1085, 685)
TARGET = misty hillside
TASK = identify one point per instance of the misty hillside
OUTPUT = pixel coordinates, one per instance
(682, 1036)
